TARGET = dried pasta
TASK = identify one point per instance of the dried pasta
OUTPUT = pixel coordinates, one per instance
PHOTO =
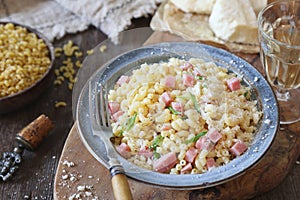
(24, 59)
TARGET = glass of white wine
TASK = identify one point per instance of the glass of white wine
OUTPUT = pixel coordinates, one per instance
(279, 37)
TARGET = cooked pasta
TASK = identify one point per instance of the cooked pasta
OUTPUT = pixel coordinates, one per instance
(181, 116)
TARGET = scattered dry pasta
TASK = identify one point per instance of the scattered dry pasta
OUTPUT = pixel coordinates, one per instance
(60, 104)
(67, 72)
(24, 59)
(69, 48)
(182, 117)
(73, 58)
(103, 48)
(90, 52)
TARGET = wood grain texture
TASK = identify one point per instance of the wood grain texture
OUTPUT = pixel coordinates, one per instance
(35, 178)
(264, 177)
(258, 183)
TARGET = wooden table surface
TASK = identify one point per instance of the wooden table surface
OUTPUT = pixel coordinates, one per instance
(34, 180)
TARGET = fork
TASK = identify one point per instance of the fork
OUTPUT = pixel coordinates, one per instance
(100, 121)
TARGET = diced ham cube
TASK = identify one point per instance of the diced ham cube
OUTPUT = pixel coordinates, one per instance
(186, 66)
(123, 79)
(214, 135)
(177, 106)
(165, 163)
(166, 127)
(188, 80)
(170, 81)
(166, 97)
(124, 150)
(233, 84)
(211, 163)
(113, 107)
(191, 154)
(116, 115)
(204, 143)
(186, 168)
(145, 151)
(238, 148)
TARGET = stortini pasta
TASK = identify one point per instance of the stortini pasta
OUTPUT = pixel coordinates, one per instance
(182, 117)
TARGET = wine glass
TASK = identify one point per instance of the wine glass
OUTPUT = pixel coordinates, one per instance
(279, 37)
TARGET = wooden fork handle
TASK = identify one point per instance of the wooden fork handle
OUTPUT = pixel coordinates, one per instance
(121, 187)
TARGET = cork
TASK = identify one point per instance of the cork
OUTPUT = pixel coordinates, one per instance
(34, 133)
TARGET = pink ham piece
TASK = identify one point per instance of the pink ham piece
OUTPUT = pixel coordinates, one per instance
(165, 163)
(188, 80)
(211, 163)
(204, 143)
(145, 151)
(170, 82)
(113, 107)
(214, 135)
(123, 79)
(166, 97)
(233, 84)
(191, 154)
(186, 168)
(238, 148)
(124, 150)
(166, 127)
(186, 66)
(116, 115)
(177, 106)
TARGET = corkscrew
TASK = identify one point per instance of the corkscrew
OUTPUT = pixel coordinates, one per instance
(28, 138)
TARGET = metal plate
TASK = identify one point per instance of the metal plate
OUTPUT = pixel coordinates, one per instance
(128, 61)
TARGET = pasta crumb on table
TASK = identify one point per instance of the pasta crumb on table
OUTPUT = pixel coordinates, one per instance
(60, 104)
(67, 72)
(182, 117)
(73, 57)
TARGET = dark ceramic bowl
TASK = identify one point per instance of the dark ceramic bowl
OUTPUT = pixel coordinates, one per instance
(28, 95)
(261, 91)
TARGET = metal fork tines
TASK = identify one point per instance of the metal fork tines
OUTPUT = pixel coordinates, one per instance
(100, 120)
(98, 107)
(103, 110)
(100, 116)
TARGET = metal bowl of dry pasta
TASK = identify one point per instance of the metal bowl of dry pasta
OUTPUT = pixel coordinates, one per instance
(184, 115)
(26, 65)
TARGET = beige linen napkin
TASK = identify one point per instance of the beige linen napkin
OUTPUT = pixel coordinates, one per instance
(110, 16)
(57, 18)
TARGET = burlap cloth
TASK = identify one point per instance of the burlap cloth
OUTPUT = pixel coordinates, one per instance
(55, 18)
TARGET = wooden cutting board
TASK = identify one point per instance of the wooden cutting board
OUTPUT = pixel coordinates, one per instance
(80, 175)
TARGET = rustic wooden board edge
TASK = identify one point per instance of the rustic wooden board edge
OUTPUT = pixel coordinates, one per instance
(89, 172)
(258, 180)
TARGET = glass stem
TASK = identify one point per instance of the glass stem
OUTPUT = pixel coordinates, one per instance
(282, 94)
